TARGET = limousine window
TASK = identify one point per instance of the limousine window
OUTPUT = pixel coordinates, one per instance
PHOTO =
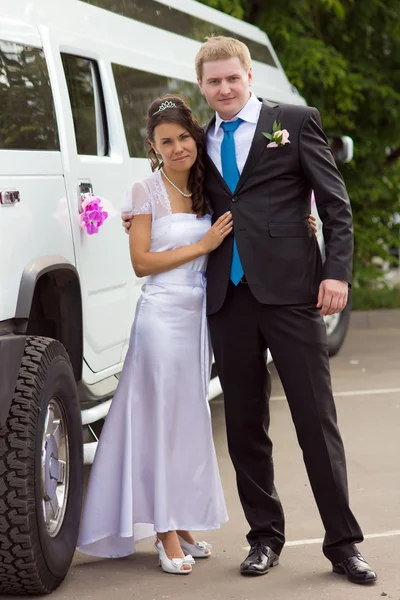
(137, 89)
(87, 104)
(27, 115)
(159, 15)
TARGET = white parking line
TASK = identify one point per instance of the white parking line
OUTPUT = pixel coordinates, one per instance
(339, 394)
(355, 393)
(368, 536)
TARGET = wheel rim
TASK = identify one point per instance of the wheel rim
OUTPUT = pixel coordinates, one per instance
(331, 322)
(55, 467)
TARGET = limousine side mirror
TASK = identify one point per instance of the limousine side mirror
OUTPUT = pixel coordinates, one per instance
(342, 148)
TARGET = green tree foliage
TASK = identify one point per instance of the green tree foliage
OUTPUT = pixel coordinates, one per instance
(344, 57)
(27, 117)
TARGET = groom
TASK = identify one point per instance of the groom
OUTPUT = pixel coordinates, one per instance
(267, 288)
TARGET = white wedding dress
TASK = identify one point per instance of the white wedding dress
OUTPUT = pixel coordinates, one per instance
(155, 467)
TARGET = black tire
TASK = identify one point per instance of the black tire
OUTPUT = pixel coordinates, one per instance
(337, 335)
(34, 559)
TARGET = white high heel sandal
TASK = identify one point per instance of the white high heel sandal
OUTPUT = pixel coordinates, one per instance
(197, 550)
(173, 565)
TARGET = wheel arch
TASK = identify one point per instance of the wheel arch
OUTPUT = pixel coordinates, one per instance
(50, 305)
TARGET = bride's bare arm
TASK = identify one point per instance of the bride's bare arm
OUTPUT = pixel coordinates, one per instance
(146, 262)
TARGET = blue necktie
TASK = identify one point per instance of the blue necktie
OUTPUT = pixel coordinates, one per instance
(230, 173)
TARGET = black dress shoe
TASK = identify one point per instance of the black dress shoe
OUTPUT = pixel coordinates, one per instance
(259, 560)
(357, 569)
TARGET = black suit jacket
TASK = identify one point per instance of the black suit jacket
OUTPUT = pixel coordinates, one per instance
(270, 206)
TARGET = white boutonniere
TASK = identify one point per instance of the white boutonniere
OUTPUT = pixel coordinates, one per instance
(279, 137)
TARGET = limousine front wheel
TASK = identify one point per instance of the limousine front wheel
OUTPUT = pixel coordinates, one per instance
(41, 458)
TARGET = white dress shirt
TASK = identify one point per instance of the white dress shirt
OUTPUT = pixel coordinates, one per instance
(243, 135)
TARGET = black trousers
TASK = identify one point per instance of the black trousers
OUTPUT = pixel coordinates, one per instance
(241, 332)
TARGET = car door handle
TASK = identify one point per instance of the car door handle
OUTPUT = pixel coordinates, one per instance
(9, 197)
(85, 187)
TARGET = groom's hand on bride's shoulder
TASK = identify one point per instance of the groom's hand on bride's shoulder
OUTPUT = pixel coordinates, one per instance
(126, 222)
(332, 296)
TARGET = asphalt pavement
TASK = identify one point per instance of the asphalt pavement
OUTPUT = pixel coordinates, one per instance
(366, 382)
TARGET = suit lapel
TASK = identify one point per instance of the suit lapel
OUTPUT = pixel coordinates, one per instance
(269, 113)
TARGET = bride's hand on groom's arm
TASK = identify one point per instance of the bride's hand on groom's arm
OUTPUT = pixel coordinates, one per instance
(332, 296)
(217, 233)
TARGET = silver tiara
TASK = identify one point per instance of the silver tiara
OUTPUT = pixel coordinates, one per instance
(164, 105)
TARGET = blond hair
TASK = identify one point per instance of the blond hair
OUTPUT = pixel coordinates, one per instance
(222, 48)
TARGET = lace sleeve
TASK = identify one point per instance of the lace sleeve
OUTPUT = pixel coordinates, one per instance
(137, 200)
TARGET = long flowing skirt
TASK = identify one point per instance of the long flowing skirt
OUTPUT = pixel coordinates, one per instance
(155, 467)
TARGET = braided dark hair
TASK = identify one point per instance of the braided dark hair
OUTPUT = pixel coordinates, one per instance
(183, 115)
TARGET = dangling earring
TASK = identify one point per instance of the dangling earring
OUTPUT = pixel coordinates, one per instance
(158, 157)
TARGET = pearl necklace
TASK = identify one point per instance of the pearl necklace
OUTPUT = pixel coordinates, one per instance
(175, 186)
